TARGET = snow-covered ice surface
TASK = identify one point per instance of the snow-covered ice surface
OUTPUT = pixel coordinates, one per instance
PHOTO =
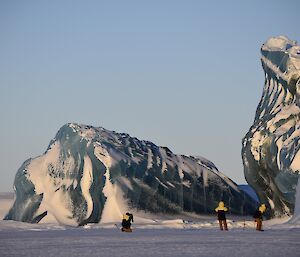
(151, 237)
(88, 241)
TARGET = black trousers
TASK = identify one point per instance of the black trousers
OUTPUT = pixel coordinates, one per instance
(223, 224)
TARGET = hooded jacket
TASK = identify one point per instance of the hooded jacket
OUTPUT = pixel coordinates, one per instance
(127, 219)
(259, 212)
(221, 209)
(262, 208)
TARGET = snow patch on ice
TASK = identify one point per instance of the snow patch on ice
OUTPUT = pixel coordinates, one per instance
(126, 181)
(114, 205)
(295, 165)
(86, 182)
(149, 161)
(54, 201)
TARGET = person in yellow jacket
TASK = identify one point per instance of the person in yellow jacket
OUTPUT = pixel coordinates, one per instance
(221, 209)
(126, 222)
(258, 216)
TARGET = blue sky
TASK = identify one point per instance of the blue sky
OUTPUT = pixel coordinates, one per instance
(183, 74)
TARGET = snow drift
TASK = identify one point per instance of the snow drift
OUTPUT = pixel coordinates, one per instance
(91, 175)
(270, 151)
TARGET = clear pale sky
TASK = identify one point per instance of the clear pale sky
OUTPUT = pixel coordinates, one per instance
(182, 74)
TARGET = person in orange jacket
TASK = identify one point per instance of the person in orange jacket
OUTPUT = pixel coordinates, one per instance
(221, 210)
(258, 216)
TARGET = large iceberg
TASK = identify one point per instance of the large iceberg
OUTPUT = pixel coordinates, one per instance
(270, 151)
(91, 175)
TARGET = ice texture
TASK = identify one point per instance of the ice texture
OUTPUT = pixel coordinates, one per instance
(153, 236)
(204, 242)
(270, 150)
(91, 175)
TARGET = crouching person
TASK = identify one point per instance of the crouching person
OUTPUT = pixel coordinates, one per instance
(221, 210)
(258, 216)
(126, 222)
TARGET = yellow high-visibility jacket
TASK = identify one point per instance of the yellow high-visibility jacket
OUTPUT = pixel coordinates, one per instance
(262, 208)
(221, 207)
(125, 217)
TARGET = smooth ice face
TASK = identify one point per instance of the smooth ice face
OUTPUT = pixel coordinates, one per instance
(270, 150)
(90, 175)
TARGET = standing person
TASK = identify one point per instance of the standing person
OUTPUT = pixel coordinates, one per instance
(221, 209)
(258, 216)
(126, 222)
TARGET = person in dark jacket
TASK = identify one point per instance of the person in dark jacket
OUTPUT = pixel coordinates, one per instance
(221, 210)
(258, 216)
(126, 222)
